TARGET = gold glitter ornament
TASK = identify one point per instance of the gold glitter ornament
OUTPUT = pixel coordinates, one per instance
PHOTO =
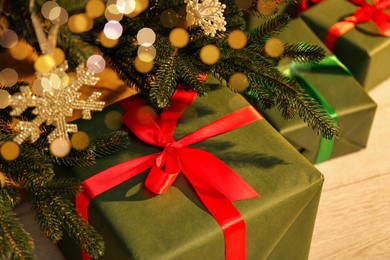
(55, 105)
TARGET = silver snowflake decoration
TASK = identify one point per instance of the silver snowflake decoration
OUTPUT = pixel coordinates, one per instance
(55, 105)
(207, 14)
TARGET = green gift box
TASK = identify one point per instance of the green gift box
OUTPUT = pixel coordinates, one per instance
(363, 50)
(338, 91)
(137, 224)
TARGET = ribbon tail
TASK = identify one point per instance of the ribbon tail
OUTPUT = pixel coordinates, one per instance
(336, 31)
(227, 216)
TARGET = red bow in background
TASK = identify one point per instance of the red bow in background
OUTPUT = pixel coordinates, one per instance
(304, 5)
(215, 183)
(364, 13)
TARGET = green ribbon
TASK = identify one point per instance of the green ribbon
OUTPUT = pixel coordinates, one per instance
(326, 146)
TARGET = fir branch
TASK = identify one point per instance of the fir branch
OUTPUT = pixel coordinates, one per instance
(110, 143)
(165, 83)
(258, 36)
(15, 242)
(303, 52)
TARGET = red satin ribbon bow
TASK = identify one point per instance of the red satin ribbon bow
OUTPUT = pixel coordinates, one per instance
(364, 13)
(215, 183)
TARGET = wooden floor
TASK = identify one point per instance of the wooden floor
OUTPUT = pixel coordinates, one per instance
(353, 220)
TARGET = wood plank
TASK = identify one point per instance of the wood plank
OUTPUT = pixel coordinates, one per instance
(353, 222)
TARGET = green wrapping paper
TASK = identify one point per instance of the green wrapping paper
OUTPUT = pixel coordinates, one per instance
(136, 224)
(362, 50)
(353, 107)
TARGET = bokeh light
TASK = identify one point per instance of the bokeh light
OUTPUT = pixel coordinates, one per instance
(169, 18)
(146, 37)
(96, 63)
(45, 63)
(140, 6)
(179, 37)
(79, 23)
(63, 18)
(143, 66)
(95, 8)
(58, 56)
(5, 99)
(106, 42)
(60, 147)
(274, 47)
(8, 77)
(285, 61)
(19, 51)
(126, 6)
(113, 120)
(209, 54)
(237, 39)
(146, 54)
(266, 7)
(243, 4)
(37, 87)
(51, 10)
(146, 115)
(10, 150)
(8, 39)
(80, 140)
(112, 13)
(113, 30)
(238, 81)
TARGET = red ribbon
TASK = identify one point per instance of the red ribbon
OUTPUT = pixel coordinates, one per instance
(364, 13)
(215, 183)
(304, 5)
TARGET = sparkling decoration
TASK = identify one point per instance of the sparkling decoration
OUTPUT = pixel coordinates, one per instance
(143, 66)
(5, 98)
(45, 63)
(60, 147)
(95, 8)
(2, 180)
(8, 39)
(106, 42)
(80, 140)
(8, 77)
(19, 51)
(112, 13)
(79, 23)
(96, 63)
(209, 54)
(237, 39)
(243, 4)
(274, 47)
(112, 120)
(146, 37)
(179, 37)
(113, 30)
(54, 106)
(10, 150)
(239, 82)
(169, 18)
(51, 10)
(146, 54)
(208, 15)
(125, 6)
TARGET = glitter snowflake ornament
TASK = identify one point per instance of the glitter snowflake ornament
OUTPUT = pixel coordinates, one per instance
(54, 106)
(207, 14)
